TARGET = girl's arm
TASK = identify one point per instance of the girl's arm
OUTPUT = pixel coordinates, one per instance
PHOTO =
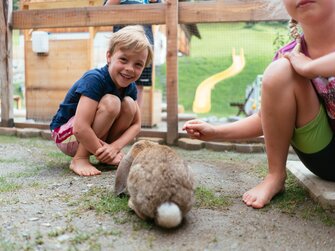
(84, 117)
(311, 68)
(246, 128)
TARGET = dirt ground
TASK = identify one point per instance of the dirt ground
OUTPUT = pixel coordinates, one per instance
(44, 206)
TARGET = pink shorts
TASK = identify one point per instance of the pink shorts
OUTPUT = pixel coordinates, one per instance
(64, 138)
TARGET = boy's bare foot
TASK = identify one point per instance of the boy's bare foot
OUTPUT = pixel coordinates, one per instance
(262, 194)
(83, 167)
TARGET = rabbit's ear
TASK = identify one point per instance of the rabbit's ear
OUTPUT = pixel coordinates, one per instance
(122, 173)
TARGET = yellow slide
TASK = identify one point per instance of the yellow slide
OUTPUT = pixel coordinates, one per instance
(202, 100)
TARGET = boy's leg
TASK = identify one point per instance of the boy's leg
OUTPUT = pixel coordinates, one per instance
(81, 165)
(123, 122)
(288, 101)
(69, 145)
(108, 111)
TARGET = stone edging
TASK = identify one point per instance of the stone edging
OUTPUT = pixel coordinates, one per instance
(184, 143)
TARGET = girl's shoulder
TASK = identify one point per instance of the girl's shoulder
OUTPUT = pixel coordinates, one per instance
(286, 48)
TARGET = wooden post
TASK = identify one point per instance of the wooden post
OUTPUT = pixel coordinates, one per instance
(6, 71)
(172, 70)
(92, 32)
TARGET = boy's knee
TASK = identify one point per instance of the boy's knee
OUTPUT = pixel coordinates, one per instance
(110, 104)
(128, 106)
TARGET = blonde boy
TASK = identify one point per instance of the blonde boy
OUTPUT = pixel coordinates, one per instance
(99, 114)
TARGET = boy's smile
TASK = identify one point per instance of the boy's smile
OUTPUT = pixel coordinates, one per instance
(126, 66)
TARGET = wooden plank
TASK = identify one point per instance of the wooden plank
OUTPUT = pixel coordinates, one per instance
(38, 125)
(172, 71)
(6, 69)
(53, 4)
(145, 132)
(89, 16)
(42, 104)
(189, 12)
(230, 11)
(45, 88)
(76, 29)
(66, 63)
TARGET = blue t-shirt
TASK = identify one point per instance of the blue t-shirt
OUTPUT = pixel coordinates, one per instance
(93, 84)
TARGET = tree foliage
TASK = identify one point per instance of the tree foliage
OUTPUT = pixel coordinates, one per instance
(16, 4)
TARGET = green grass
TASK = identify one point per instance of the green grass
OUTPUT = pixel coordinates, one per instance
(296, 201)
(213, 53)
(6, 186)
(206, 198)
(107, 202)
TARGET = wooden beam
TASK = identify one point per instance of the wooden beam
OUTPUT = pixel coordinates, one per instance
(53, 4)
(89, 16)
(172, 71)
(230, 11)
(6, 72)
(189, 12)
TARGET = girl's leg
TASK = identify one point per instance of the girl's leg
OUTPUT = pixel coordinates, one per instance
(108, 110)
(288, 101)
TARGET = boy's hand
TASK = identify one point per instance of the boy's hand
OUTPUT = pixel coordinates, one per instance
(198, 129)
(106, 153)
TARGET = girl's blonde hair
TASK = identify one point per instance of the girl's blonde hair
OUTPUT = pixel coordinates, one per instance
(275, 6)
(294, 32)
(131, 38)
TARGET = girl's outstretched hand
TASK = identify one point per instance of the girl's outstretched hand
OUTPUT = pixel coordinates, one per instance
(198, 129)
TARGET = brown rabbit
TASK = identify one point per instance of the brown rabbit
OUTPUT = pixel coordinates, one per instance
(158, 181)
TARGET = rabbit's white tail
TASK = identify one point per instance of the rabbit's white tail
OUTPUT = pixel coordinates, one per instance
(168, 215)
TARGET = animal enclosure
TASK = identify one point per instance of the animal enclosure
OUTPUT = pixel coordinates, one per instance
(170, 13)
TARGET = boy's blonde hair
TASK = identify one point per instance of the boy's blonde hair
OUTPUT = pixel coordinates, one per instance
(131, 38)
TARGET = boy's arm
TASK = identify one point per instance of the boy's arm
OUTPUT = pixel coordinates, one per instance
(311, 68)
(84, 117)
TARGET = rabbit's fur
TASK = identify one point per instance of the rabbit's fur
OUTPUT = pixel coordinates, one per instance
(154, 174)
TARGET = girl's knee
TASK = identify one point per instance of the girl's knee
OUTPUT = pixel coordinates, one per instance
(280, 76)
(110, 104)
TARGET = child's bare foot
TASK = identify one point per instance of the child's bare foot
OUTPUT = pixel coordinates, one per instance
(262, 194)
(83, 167)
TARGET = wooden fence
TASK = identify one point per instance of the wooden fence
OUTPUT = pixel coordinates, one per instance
(170, 13)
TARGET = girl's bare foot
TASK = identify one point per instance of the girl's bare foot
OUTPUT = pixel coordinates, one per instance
(262, 194)
(83, 167)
